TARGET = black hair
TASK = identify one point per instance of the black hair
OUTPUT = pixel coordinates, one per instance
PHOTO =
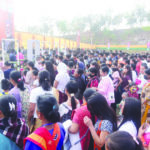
(132, 112)
(122, 65)
(129, 72)
(144, 65)
(5, 84)
(80, 71)
(103, 65)
(133, 66)
(25, 72)
(105, 69)
(7, 64)
(88, 92)
(70, 64)
(93, 70)
(31, 64)
(5, 102)
(47, 105)
(99, 107)
(16, 77)
(44, 80)
(68, 56)
(115, 69)
(50, 69)
(61, 58)
(121, 140)
(72, 88)
(147, 71)
(35, 72)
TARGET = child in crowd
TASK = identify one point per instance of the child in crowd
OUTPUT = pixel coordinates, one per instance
(119, 106)
(5, 84)
(35, 78)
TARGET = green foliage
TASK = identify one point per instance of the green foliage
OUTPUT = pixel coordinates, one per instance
(146, 28)
(96, 26)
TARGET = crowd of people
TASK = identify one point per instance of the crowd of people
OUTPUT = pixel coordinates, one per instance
(83, 100)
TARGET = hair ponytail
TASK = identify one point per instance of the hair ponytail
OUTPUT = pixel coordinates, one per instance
(48, 106)
(72, 88)
(44, 80)
(73, 102)
(16, 77)
(20, 85)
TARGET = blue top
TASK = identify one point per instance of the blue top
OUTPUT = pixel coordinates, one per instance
(30, 145)
(7, 73)
(6, 143)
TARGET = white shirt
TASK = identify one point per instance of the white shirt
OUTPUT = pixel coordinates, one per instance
(1, 78)
(35, 93)
(134, 76)
(36, 83)
(143, 82)
(62, 78)
(129, 127)
(65, 109)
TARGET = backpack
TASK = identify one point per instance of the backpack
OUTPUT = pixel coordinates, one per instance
(66, 116)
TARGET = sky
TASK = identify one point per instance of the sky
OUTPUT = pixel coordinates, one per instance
(28, 12)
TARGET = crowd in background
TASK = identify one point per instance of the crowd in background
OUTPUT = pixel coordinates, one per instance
(83, 100)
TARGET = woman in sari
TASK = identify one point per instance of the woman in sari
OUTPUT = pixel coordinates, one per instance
(50, 135)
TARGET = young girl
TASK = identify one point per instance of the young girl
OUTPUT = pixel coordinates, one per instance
(126, 78)
(78, 127)
(131, 112)
(28, 79)
(62, 78)
(122, 141)
(106, 86)
(12, 129)
(50, 68)
(106, 120)
(5, 85)
(66, 108)
(44, 88)
(15, 79)
(35, 78)
(51, 134)
(93, 78)
(81, 84)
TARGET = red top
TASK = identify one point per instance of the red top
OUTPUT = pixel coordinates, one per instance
(77, 117)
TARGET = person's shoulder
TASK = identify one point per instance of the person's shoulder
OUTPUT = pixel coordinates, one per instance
(107, 123)
(83, 110)
(36, 90)
(62, 129)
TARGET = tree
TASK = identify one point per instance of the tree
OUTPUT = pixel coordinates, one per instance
(62, 27)
(140, 13)
(131, 19)
(117, 20)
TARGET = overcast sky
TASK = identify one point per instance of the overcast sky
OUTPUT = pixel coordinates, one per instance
(29, 11)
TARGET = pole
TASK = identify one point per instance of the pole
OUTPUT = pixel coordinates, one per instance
(17, 52)
(3, 56)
